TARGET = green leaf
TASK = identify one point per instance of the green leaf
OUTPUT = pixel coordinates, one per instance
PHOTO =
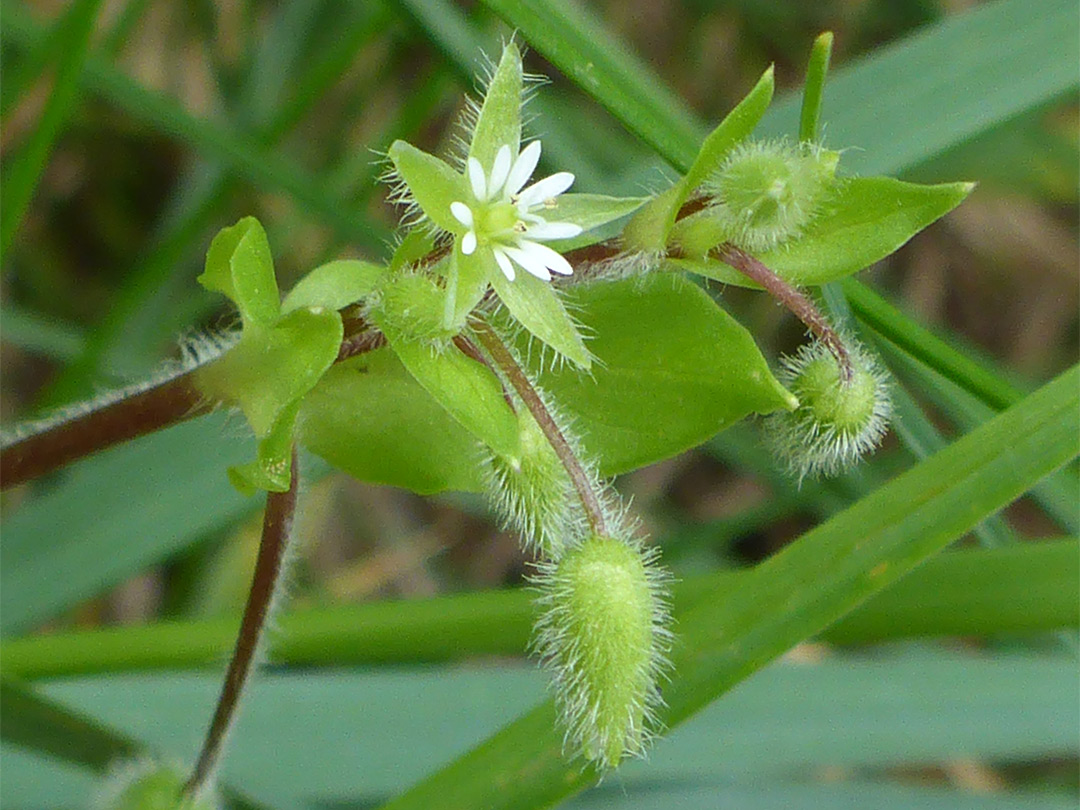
(867, 219)
(431, 183)
(1022, 589)
(795, 594)
(465, 388)
(40, 724)
(334, 285)
(266, 374)
(814, 87)
(240, 267)
(649, 229)
(499, 122)
(671, 370)
(536, 306)
(370, 418)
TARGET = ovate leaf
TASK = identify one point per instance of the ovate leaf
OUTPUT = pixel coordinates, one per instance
(240, 267)
(369, 417)
(672, 369)
(867, 219)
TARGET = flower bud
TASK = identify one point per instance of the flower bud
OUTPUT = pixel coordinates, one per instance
(766, 192)
(837, 421)
(603, 635)
(411, 305)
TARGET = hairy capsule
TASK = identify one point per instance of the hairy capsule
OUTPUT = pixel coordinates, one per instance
(836, 422)
(603, 635)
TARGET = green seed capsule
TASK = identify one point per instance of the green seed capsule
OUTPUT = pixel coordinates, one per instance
(603, 635)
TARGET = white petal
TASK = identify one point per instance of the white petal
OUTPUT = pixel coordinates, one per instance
(523, 168)
(552, 259)
(476, 178)
(462, 213)
(529, 260)
(500, 170)
(468, 243)
(504, 263)
(546, 189)
(545, 231)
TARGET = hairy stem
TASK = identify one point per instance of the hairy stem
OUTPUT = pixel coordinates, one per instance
(160, 406)
(277, 523)
(800, 305)
(519, 380)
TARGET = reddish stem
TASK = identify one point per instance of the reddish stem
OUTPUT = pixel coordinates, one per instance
(277, 523)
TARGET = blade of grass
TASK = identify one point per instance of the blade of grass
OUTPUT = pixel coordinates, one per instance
(792, 596)
(21, 177)
(1026, 588)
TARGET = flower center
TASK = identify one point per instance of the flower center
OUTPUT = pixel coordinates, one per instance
(494, 220)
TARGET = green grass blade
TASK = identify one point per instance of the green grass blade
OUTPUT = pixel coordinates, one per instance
(1027, 588)
(21, 177)
(814, 87)
(39, 724)
(793, 595)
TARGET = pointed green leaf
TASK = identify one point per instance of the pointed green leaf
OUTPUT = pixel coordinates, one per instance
(432, 184)
(814, 88)
(334, 285)
(648, 230)
(466, 388)
(499, 122)
(672, 369)
(869, 218)
(272, 468)
(536, 306)
(240, 267)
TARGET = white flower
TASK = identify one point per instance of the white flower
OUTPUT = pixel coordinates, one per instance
(502, 215)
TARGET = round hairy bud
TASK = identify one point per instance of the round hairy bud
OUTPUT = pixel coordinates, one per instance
(766, 192)
(603, 635)
(837, 421)
(412, 305)
(146, 785)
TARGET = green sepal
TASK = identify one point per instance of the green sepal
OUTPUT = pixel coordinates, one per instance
(592, 212)
(240, 267)
(865, 220)
(334, 285)
(370, 418)
(536, 306)
(266, 374)
(672, 369)
(415, 245)
(466, 283)
(499, 122)
(467, 389)
(432, 183)
(649, 229)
